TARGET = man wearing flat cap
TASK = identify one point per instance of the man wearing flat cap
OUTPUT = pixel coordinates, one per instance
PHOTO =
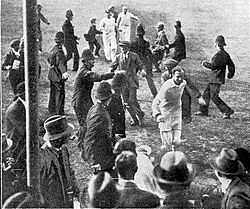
(130, 63)
(230, 172)
(218, 65)
(97, 147)
(58, 185)
(70, 40)
(11, 63)
(174, 176)
(57, 76)
(84, 82)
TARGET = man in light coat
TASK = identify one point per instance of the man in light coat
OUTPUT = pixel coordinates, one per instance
(107, 26)
(124, 24)
(167, 109)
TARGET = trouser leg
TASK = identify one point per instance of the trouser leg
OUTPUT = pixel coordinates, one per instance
(97, 47)
(106, 46)
(151, 85)
(60, 99)
(222, 106)
(113, 49)
(186, 105)
(76, 59)
(52, 99)
(91, 46)
(206, 97)
(134, 102)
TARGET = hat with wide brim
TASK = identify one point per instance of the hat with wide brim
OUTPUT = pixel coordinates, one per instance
(227, 163)
(56, 127)
(174, 170)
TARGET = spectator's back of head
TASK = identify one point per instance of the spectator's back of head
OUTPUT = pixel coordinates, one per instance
(124, 145)
(102, 191)
(126, 165)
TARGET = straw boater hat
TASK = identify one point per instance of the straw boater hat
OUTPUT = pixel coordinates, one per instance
(227, 163)
(56, 127)
(174, 169)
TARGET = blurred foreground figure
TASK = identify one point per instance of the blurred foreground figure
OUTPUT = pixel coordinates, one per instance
(218, 65)
(131, 195)
(40, 17)
(102, 191)
(167, 110)
(230, 172)
(70, 40)
(174, 176)
(58, 184)
(57, 76)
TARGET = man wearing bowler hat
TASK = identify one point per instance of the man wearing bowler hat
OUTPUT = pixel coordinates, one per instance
(130, 63)
(230, 172)
(57, 179)
(218, 65)
(174, 175)
(97, 148)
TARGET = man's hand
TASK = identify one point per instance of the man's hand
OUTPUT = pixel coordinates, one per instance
(160, 119)
(7, 67)
(65, 75)
(143, 73)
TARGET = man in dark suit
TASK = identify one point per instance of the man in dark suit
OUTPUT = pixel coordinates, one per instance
(57, 76)
(230, 172)
(70, 40)
(16, 129)
(57, 180)
(130, 63)
(84, 82)
(218, 65)
(142, 47)
(131, 195)
(97, 148)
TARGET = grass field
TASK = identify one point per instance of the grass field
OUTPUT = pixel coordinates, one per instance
(202, 21)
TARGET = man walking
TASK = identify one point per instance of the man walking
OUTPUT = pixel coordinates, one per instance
(97, 148)
(167, 109)
(57, 76)
(217, 77)
(84, 82)
(130, 63)
(70, 40)
(142, 48)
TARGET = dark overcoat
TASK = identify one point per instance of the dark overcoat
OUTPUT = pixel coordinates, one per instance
(70, 40)
(218, 67)
(237, 195)
(133, 197)
(179, 46)
(97, 146)
(81, 99)
(16, 131)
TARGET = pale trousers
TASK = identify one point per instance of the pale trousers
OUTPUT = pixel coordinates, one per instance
(170, 138)
(110, 47)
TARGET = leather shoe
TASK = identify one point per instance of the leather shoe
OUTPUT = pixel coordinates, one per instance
(227, 115)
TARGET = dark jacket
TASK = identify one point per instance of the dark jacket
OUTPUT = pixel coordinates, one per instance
(133, 197)
(117, 114)
(97, 146)
(56, 177)
(179, 46)
(161, 39)
(69, 35)
(84, 82)
(92, 33)
(218, 66)
(131, 66)
(237, 196)
(142, 47)
(9, 59)
(16, 131)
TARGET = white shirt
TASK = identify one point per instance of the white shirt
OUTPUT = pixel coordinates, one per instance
(107, 25)
(124, 19)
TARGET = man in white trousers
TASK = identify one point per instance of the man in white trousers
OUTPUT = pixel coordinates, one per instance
(124, 24)
(167, 109)
(107, 26)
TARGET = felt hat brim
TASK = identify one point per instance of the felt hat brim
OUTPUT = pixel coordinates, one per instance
(240, 168)
(158, 170)
(67, 132)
